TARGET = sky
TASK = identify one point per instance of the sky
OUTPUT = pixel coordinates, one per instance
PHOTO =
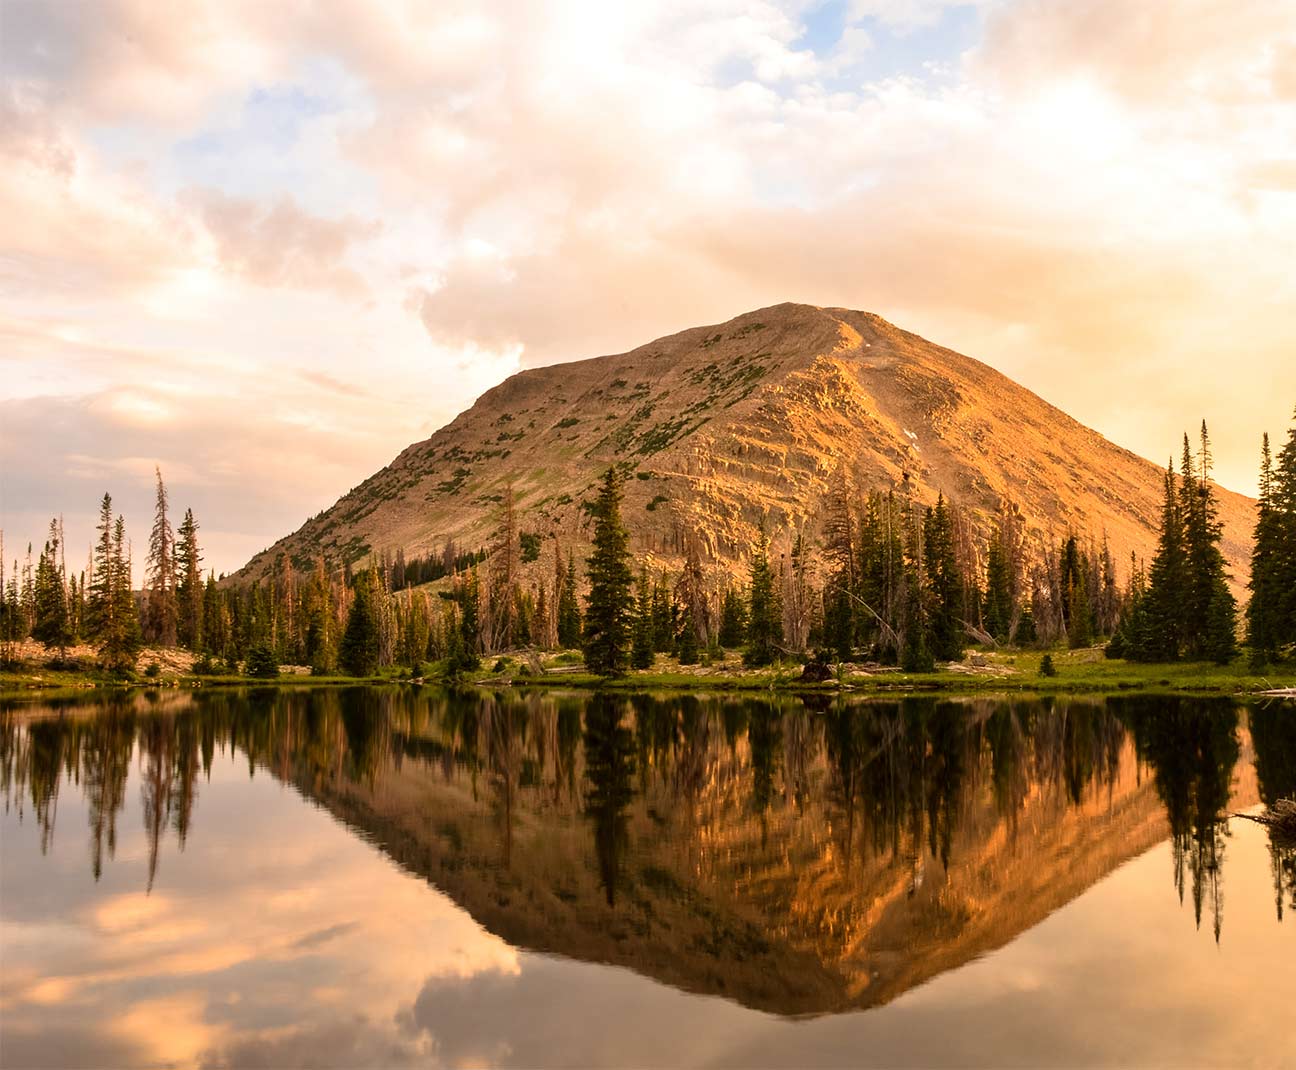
(267, 246)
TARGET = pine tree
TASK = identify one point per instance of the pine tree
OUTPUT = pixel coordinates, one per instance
(663, 616)
(688, 649)
(997, 611)
(915, 653)
(189, 584)
(262, 663)
(944, 584)
(358, 651)
(1209, 607)
(51, 625)
(215, 615)
(466, 653)
(160, 611)
(764, 614)
(1271, 613)
(569, 614)
(641, 640)
(843, 559)
(120, 638)
(99, 606)
(319, 621)
(1284, 501)
(733, 619)
(608, 604)
(1164, 602)
(1264, 611)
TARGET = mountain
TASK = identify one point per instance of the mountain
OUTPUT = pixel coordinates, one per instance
(790, 900)
(718, 427)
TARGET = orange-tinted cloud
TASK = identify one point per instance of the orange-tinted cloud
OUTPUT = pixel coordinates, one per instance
(1095, 197)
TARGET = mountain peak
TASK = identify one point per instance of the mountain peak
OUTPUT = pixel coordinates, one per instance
(720, 427)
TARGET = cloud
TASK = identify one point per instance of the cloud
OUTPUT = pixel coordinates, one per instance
(238, 213)
(279, 244)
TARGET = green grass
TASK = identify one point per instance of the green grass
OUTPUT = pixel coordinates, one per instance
(1079, 671)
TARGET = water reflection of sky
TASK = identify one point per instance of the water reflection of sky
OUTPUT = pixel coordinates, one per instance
(275, 928)
(279, 937)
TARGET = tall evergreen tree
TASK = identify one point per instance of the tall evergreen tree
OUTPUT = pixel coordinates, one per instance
(733, 618)
(189, 584)
(320, 643)
(1209, 606)
(1075, 594)
(358, 651)
(1271, 613)
(1166, 581)
(99, 606)
(120, 638)
(160, 605)
(663, 616)
(998, 610)
(944, 583)
(1264, 611)
(1188, 609)
(466, 652)
(216, 620)
(569, 614)
(608, 605)
(764, 614)
(641, 639)
(51, 625)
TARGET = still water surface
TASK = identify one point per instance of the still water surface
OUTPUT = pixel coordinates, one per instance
(374, 877)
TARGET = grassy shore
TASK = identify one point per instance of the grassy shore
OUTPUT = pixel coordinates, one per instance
(981, 673)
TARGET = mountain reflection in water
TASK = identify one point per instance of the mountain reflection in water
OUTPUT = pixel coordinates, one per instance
(797, 857)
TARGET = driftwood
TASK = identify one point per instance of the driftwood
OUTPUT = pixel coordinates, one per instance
(1280, 819)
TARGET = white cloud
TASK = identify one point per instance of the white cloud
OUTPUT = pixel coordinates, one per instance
(208, 206)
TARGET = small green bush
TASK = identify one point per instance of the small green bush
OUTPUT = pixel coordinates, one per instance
(262, 663)
(1047, 668)
(152, 670)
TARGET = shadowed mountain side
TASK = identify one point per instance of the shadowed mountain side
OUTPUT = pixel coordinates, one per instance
(719, 426)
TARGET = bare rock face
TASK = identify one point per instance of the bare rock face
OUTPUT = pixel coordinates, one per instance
(719, 428)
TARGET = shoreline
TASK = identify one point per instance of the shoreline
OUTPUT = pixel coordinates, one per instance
(1073, 677)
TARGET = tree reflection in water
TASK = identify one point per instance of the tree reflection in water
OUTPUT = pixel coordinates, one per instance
(842, 799)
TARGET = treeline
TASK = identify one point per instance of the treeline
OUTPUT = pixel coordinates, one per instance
(895, 583)
(99, 605)
(890, 582)
(900, 584)
(892, 776)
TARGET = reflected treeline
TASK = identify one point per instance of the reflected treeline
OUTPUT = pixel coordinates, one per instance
(1274, 740)
(1192, 747)
(771, 798)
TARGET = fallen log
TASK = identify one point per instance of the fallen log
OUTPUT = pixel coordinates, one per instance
(1280, 819)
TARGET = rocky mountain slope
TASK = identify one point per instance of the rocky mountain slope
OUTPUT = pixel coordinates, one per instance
(719, 427)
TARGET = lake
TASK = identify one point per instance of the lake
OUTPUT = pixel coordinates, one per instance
(391, 877)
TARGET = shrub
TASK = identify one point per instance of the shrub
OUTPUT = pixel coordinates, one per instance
(262, 663)
(207, 666)
(530, 542)
(1047, 668)
(152, 670)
